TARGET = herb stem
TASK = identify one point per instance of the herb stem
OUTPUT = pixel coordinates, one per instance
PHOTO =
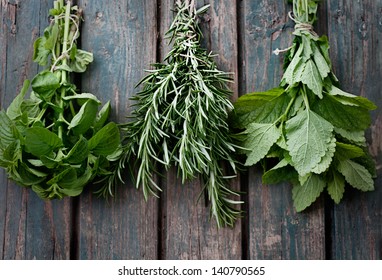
(64, 62)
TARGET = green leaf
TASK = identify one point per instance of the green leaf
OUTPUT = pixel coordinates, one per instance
(311, 77)
(49, 162)
(280, 173)
(305, 195)
(102, 116)
(79, 152)
(321, 63)
(259, 139)
(50, 43)
(67, 175)
(106, 140)
(40, 141)
(81, 60)
(13, 152)
(352, 118)
(260, 107)
(290, 76)
(28, 176)
(356, 175)
(45, 84)
(85, 118)
(40, 54)
(336, 186)
(76, 188)
(356, 100)
(348, 151)
(308, 139)
(14, 109)
(8, 130)
(355, 137)
(327, 159)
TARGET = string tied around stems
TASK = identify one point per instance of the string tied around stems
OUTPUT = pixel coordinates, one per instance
(299, 26)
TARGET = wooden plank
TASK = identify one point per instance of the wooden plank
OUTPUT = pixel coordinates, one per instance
(354, 34)
(122, 36)
(275, 230)
(188, 233)
(30, 228)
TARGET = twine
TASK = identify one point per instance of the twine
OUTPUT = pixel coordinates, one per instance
(300, 26)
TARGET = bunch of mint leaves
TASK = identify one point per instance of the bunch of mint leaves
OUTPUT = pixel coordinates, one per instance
(311, 129)
(56, 141)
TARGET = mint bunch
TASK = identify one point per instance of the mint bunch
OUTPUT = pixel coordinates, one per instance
(55, 141)
(308, 125)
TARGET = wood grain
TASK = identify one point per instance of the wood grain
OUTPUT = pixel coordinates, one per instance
(126, 37)
(354, 34)
(122, 36)
(274, 229)
(30, 228)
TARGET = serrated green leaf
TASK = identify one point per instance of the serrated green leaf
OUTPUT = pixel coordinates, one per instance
(85, 118)
(289, 76)
(106, 140)
(305, 195)
(8, 131)
(353, 99)
(356, 175)
(308, 137)
(348, 151)
(45, 84)
(352, 118)
(355, 137)
(14, 109)
(307, 50)
(336, 186)
(327, 159)
(321, 63)
(260, 107)
(40, 141)
(260, 138)
(311, 77)
(12, 153)
(79, 152)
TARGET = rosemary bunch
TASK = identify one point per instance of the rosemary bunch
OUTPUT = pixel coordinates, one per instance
(180, 118)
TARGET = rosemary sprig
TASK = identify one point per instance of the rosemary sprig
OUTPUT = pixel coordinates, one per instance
(180, 119)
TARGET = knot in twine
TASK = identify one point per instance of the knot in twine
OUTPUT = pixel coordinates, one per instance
(299, 26)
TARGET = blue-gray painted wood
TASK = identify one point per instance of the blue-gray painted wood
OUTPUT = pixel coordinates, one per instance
(125, 37)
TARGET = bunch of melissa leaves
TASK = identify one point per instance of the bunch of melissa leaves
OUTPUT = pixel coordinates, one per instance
(313, 129)
(56, 141)
(180, 119)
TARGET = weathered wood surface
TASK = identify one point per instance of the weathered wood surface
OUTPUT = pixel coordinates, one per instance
(125, 37)
(29, 227)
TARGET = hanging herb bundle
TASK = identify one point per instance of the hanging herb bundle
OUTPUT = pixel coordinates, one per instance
(313, 129)
(180, 118)
(54, 141)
